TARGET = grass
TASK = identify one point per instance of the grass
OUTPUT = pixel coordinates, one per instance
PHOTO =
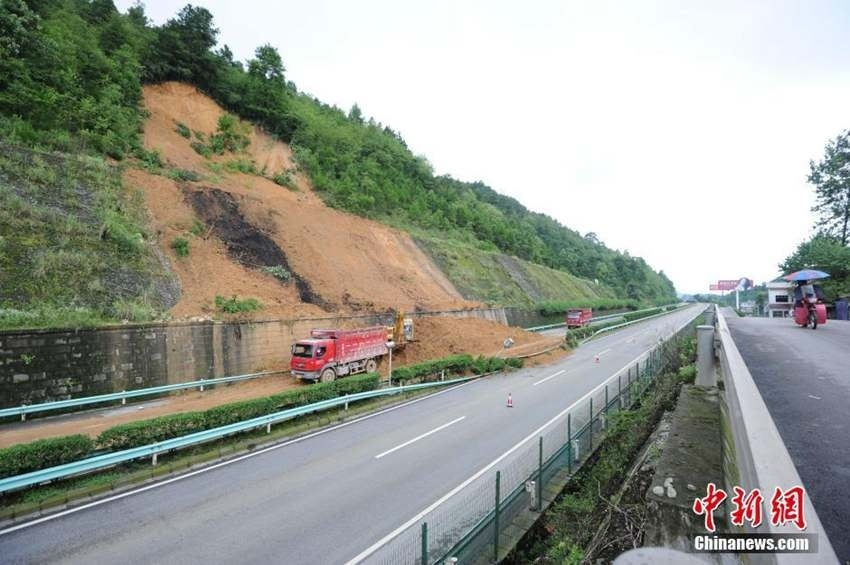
(74, 244)
(234, 305)
(496, 278)
(183, 130)
(180, 245)
(278, 272)
(286, 179)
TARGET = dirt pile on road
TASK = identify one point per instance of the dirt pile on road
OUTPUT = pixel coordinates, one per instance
(346, 263)
(441, 336)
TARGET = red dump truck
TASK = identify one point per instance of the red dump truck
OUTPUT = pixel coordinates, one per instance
(578, 317)
(329, 354)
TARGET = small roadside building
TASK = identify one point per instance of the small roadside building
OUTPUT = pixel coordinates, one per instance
(780, 299)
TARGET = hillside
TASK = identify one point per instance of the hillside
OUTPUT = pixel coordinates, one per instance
(256, 205)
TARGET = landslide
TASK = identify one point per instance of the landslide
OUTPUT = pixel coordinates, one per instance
(236, 223)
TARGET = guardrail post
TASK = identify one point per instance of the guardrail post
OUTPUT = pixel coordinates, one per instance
(540, 476)
(569, 447)
(496, 520)
(124, 399)
(153, 459)
(424, 543)
(346, 402)
(269, 428)
(606, 399)
(590, 424)
(706, 375)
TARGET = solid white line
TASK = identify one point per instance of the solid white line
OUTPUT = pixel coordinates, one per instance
(381, 542)
(222, 464)
(549, 377)
(603, 352)
(417, 438)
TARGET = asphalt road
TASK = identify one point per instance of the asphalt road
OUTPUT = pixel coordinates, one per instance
(326, 498)
(804, 377)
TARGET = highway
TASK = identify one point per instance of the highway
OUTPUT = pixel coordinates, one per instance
(804, 377)
(329, 496)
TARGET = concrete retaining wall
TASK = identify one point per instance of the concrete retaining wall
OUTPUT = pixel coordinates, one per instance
(48, 365)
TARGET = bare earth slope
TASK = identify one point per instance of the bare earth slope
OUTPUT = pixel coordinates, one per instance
(341, 262)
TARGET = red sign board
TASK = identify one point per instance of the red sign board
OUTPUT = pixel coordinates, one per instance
(714, 287)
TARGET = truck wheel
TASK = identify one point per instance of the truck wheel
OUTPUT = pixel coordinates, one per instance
(371, 366)
(328, 375)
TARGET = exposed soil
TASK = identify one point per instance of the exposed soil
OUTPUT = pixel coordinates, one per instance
(92, 423)
(342, 261)
(441, 336)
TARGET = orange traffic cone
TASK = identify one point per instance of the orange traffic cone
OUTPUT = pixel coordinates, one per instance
(510, 401)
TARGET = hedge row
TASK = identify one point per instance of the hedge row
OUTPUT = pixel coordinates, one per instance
(144, 432)
(632, 316)
(45, 453)
(453, 365)
(26, 457)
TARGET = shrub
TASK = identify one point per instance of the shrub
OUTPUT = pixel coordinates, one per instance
(278, 272)
(123, 233)
(234, 305)
(183, 175)
(198, 228)
(454, 365)
(180, 245)
(150, 160)
(632, 316)
(201, 149)
(246, 166)
(286, 179)
(144, 432)
(43, 453)
(232, 135)
(183, 130)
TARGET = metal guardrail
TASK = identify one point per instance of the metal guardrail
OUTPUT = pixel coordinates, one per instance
(761, 458)
(594, 319)
(629, 323)
(152, 450)
(468, 524)
(25, 409)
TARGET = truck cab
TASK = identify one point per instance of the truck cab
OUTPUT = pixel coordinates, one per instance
(310, 356)
(578, 317)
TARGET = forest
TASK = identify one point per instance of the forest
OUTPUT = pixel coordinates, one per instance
(71, 73)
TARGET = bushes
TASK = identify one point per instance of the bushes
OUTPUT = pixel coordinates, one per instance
(144, 432)
(454, 365)
(234, 305)
(43, 453)
(632, 316)
(180, 245)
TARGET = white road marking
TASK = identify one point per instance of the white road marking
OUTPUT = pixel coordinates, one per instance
(381, 542)
(603, 352)
(417, 438)
(222, 464)
(562, 371)
(815, 397)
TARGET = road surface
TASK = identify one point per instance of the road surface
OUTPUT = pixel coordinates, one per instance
(326, 498)
(804, 377)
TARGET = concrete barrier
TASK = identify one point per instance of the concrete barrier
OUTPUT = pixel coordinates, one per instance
(760, 458)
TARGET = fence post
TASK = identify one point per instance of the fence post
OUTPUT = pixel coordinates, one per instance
(606, 400)
(424, 543)
(496, 520)
(540, 476)
(569, 446)
(590, 424)
(620, 390)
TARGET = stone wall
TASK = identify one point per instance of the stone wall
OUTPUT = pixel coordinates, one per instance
(49, 365)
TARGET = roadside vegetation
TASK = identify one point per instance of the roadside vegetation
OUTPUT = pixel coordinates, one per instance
(565, 533)
(70, 80)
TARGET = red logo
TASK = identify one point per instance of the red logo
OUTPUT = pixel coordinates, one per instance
(747, 508)
(707, 505)
(788, 507)
(785, 506)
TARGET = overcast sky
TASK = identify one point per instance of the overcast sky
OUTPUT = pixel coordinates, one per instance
(679, 132)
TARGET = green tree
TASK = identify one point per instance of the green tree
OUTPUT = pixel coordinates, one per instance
(831, 178)
(826, 253)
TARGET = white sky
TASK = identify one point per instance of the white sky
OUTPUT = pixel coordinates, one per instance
(679, 131)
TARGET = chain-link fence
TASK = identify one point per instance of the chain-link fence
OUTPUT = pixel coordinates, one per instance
(468, 525)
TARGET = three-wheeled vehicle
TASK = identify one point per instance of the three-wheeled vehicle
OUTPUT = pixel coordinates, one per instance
(809, 307)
